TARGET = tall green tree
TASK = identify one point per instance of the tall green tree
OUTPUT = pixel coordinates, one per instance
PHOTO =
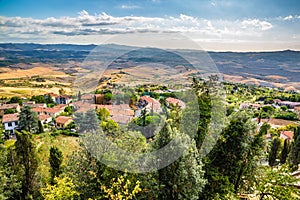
(27, 161)
(79, 95)
(232, 159)
(9, 184)
(251, 159)
(88, 174)
(202, 89)
(28, 120)
(295, 155)
(285, 151)
(184, 178)
(40, 127)
(55, 160)
(87, 122)
(274, 151)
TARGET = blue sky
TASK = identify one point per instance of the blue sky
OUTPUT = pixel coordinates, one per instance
(270, 24)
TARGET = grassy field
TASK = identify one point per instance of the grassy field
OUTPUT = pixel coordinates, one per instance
(45, 141)
(36, 71)
(28, 92)
(23, 82)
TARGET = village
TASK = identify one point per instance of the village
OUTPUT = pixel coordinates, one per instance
(60, 114)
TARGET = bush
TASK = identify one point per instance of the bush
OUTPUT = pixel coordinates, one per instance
(286, 115)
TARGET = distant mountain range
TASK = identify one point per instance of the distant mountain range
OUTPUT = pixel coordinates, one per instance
(264, 68)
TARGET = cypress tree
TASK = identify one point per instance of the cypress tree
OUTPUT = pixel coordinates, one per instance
(274, 151)
(55, 160)
(285, 151)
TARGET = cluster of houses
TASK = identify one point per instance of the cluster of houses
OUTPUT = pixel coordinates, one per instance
(277, 103)
(293, 106)
(45, 115)
(123, 113)
(120, 113)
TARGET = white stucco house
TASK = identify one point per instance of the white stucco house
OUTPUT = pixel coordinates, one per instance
(10, 122)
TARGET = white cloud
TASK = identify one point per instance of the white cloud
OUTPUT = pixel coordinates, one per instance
(263, 25)
(129, 7)
(288, 17)
(85, 25)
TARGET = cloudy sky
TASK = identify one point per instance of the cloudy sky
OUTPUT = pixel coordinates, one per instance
(218, 25)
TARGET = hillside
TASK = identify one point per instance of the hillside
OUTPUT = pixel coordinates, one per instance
(274, 69)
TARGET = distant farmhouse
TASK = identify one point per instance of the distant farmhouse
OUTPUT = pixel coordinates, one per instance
(5, 107)
(59, 99)
(10, 122)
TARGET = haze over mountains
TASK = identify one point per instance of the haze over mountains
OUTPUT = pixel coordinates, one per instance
(275, 69)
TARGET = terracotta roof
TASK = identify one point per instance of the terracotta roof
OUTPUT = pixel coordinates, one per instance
(8, 106)
(37, 105)
(87, 97)
(297, 108)
(60, 106)
(43, 117)
(52, 110)
(84, 106)
(10, 118)
(149, 99)
(99, 95)
(175, 102)
(52, 95)
(38, 109)
(62, 119)
(288, 134)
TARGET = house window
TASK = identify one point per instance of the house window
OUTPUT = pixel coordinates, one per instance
(9, 124)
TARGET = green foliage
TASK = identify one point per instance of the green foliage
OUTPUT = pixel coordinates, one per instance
(154, 95)
(107, 96)
(103, 114)
(49, 100)
(120, 189)
(9, 184)
(88, 174)
(233, 159)
(295, 155)
(276, 183)
(28, 120)
(55, 160)
(182, 179)
(288, 115)
(64, 189)
(15, 100)
(40, 127)
(39, 99)
(285, 151)
(146, 123)
(10, 111)
(284, 108)
(87, 122)
(274, 151)
(62, 91)
(68, 110)
(110, 127)
(27, 161)
(202, 89)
